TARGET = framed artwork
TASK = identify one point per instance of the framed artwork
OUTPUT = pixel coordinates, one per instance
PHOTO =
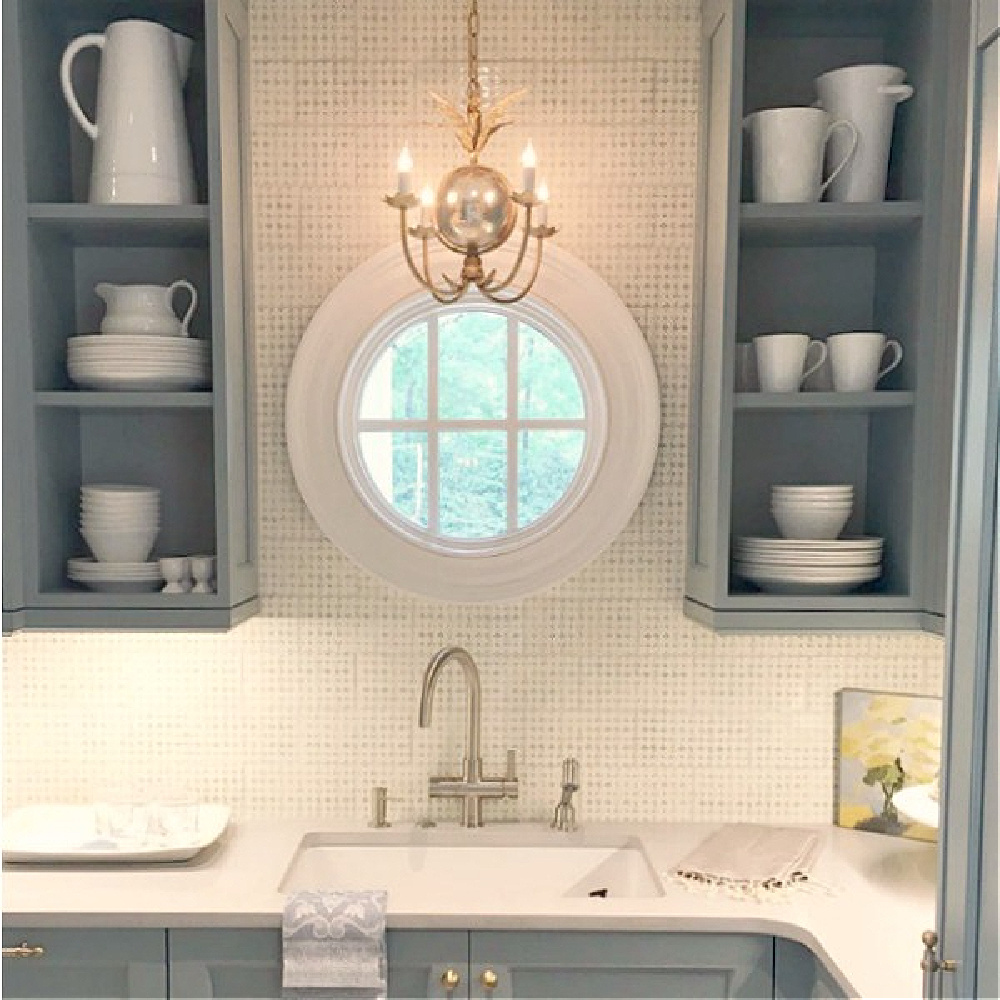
(888, 753)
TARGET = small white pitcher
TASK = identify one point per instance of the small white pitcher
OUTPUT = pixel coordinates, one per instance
(145, 310)
(788, 146)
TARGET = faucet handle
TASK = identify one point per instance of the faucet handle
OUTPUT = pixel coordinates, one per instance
(571, 773)
(511, 774)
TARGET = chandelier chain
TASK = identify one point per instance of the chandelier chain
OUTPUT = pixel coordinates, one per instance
(474, 91)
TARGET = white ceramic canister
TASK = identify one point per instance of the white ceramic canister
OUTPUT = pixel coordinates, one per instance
(866, 95)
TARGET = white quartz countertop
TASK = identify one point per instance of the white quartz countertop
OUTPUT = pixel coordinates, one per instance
(865, 928)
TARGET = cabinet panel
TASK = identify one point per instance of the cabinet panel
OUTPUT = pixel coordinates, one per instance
(570, 964)
(247, 963)
(823, 268)
(799, 975)
(102, 964)
(225, 963)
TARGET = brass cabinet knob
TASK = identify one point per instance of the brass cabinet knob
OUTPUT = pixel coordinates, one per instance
(450, 979)
(489, 979)
(24, 950)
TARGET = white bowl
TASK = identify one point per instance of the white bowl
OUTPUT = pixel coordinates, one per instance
(807, 523)
(120, 545)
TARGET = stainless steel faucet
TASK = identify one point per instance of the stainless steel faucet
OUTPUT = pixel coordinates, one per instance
(471, 787)
(565, 814)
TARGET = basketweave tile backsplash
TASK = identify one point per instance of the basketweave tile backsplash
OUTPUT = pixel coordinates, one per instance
(303, 709)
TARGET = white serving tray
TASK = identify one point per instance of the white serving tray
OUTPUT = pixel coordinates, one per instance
(68, 833)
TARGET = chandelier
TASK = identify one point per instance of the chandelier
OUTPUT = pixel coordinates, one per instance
(474, 210)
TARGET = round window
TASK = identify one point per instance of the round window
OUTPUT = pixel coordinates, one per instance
(471, 428)
(472, 452)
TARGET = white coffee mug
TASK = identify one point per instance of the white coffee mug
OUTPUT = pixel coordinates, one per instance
(856, 359)
(788, 146)
(783, 360)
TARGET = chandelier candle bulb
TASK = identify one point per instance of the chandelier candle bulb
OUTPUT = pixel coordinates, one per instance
(542, 209)
(528, 164)
(404, 170)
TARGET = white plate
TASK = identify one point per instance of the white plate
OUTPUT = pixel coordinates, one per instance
(61, 833)
(810, 545)
(818, 561)
(795, 581)
(158, 383)
(915, 803)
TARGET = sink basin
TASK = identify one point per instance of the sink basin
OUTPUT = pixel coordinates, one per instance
(447, 865)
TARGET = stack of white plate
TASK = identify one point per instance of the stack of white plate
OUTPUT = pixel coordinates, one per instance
(808, 566)
(120, 524)
(115, 578)
(95, 361)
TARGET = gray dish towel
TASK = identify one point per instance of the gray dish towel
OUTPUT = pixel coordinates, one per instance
(333, 945)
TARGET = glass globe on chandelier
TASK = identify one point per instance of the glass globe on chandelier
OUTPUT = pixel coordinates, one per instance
(474, 210)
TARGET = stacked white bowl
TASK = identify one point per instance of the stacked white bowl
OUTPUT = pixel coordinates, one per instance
(120, 523)
(811, 511)
(810, 557)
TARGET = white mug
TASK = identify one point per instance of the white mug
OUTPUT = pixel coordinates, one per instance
(788, 146)
(856, 359)
(783, 360)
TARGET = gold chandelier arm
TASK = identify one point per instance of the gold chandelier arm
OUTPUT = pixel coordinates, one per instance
(423, 279)
(486, 287)
(442, 296)
(510, 299)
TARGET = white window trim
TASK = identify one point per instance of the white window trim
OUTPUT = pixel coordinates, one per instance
(584, 302)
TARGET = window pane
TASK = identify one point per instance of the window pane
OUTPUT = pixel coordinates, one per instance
(547, 386)
(396, 386)
(397, 464)
(473, 484)
(546, 464)
(472, 366)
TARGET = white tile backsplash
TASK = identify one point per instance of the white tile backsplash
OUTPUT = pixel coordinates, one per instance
(301, 710)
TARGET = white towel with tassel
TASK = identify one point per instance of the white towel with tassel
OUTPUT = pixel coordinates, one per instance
(333, 945)
(751, 861)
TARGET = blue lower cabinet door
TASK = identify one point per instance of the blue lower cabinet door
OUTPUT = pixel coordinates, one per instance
(621, 964)
(98, 963)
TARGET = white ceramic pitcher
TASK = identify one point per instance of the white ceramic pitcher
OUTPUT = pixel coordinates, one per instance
(145, 310)
(788, 146)
(868, 96)
(142, 153)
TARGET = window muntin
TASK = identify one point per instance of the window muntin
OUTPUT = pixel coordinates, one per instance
(472, 430)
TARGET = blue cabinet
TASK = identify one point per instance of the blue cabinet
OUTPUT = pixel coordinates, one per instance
(196, 445)
(486, 964)
(197, 963)
(84, 964)
(618, 964)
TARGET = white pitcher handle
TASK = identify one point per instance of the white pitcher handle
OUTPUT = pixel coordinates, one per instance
(187, 286)
(840, 123)
(75, 46)
(899, 92)
(897, 356)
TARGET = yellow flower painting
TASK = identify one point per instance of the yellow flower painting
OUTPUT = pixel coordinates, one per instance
(885, 742)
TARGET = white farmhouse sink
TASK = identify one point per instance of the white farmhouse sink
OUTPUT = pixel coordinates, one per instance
(449, 864)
